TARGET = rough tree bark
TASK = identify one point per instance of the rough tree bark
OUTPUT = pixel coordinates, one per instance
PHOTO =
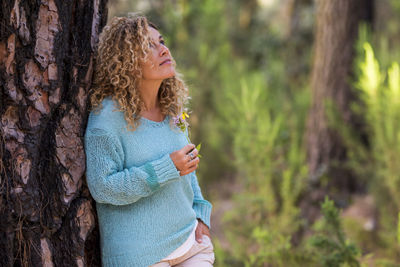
(336, 33)
(47, 216)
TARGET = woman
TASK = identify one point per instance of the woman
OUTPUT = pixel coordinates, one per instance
(140, 166)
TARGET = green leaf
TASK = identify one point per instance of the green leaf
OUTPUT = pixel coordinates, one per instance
(198, 147)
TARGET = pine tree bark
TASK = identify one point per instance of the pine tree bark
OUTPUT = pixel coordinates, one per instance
(336, 33)
(47, 216)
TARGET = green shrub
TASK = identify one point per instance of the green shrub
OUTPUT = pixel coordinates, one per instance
(270, 157)
(380, 95)
(329, 246)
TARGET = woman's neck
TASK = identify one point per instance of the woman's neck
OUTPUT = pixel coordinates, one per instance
(154, 115)
(149, 94)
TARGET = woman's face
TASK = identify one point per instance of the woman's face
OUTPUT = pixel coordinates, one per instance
(159, 65)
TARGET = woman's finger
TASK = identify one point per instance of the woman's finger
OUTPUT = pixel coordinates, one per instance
(192, 168)
(189, 170)
(192, 154)
(194, 162)
(186, 149)
(198, 234)
(195, 152)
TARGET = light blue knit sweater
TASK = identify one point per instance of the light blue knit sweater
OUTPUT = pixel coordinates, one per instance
(146, 210)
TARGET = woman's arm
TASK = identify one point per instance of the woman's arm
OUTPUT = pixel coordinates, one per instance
(201, 206)
(110, 183)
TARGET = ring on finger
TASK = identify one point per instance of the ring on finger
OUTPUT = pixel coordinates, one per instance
(191, 155)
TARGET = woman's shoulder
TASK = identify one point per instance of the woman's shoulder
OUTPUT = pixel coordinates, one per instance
(108, 117)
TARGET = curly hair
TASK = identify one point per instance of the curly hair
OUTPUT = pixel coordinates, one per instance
(123, 47)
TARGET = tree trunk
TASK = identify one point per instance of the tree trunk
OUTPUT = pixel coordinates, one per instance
(47, 216)
(336, 34)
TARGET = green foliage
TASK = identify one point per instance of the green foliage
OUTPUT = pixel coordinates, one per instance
(380, 94)
(269, 153)
(329, 245)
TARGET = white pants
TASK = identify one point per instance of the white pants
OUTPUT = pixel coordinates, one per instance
(199, 255)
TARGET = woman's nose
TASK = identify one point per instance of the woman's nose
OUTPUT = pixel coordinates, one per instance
(164, 50)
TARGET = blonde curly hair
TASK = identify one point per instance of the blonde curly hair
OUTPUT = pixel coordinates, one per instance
(123, 47)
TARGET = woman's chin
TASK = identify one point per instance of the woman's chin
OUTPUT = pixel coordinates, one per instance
(171, 74)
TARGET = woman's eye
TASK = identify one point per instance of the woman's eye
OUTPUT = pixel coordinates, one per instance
(162, 42)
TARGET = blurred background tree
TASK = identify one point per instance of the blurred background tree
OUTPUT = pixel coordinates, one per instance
(337, 24)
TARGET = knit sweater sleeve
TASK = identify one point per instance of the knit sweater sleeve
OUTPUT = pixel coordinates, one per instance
(109, 182)
(201, 206)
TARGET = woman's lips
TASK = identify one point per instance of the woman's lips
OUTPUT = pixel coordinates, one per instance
(168, 61)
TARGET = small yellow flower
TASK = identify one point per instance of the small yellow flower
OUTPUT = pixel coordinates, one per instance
(181, 123)
(184, 115)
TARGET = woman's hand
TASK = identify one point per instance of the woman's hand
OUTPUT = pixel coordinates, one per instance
(184, 162)
(201, 230)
